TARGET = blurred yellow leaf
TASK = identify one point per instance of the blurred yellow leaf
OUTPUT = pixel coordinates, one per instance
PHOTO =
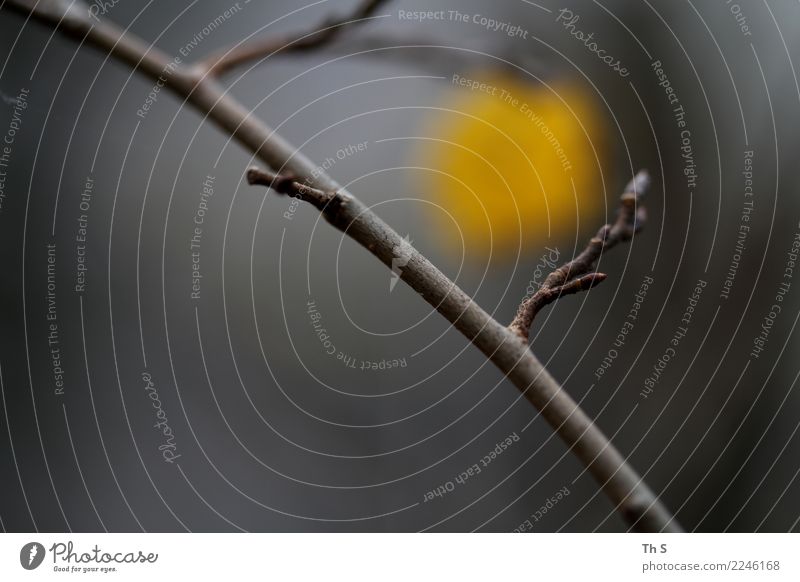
(503, 161)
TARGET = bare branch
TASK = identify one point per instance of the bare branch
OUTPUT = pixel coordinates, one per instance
(571, 277)
(635, 502)
(224, 60)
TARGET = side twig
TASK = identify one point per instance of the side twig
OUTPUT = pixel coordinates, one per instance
(223, 61)
(571, 277)
(635, 502)
(290, 186)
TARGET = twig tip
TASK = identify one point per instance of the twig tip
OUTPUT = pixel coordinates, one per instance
(253, 175)
(595, 279)
(638, 184)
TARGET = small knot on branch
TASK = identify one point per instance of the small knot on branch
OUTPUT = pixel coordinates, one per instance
(280, 183)
(289, 185)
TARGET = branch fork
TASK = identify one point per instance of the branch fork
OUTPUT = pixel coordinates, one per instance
(572, 277)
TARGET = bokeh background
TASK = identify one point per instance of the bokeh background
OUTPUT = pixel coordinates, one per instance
(270, 431)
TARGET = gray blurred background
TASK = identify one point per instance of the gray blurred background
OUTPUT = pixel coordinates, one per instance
(274, 433)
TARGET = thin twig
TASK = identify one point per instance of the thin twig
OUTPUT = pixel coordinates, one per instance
(571, 277)
(636, 503)
(223, 61)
